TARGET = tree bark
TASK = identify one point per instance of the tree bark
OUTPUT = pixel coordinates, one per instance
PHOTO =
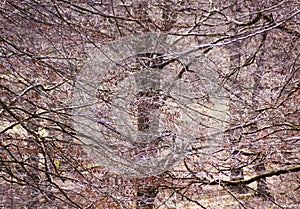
(237, 172)
(262, 186)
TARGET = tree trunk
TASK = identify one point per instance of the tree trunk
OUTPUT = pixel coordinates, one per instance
(262, 187)
(148, 84)
(146, 196)
(237, 172)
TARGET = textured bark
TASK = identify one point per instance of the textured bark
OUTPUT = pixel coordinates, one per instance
(146, 196)
(148, 86)
(262, 186)
(237, 172)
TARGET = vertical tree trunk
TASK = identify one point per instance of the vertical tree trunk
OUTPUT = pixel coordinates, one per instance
(146, 196)
(262, 187)
(237, 172)
(148, 84)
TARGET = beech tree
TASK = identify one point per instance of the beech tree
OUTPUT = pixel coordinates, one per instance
(149, 104)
